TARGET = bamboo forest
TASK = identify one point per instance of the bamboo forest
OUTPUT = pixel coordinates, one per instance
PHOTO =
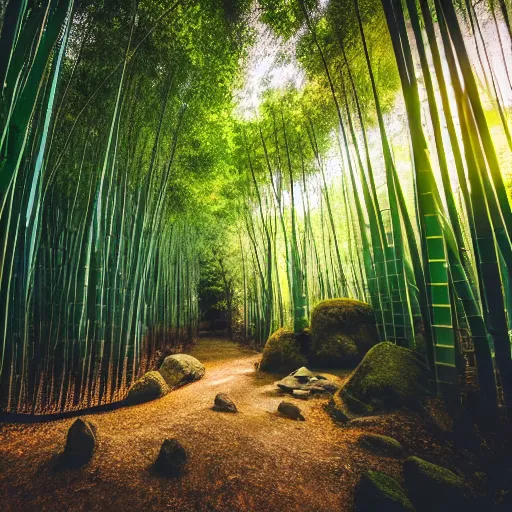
(256, 255)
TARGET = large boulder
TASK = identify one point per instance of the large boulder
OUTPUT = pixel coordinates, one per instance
(342, 332)
(80, 442)
(388, 378)
(432, 487)
(377, 491)
(179, 369)
(282, 352)
(149, 387)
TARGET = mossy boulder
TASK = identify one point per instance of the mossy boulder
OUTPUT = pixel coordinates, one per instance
(377, 491)
(432, 487)
(283, 352)
(382, 445)
(388, 378)
(342, 332)
(149, 387)
(179, 369)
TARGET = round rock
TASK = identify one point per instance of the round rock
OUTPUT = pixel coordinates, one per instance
(388, 378)
(342, 332)
(179, 369)
(282, 352)
(290, 411)
(149, 387)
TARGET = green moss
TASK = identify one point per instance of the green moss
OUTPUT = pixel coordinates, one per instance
(342, 331)
(344, 311)
(432, 487)
(433, 472)
(381, 444)
(377, 491)
(149, 387)
(347, 345)
(282, 353)
(389, 377)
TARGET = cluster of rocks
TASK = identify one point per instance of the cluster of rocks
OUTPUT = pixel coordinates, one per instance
(341, 333)
(303, 383)
(426, 487)
(175, 371)
(82, 439)
(223, 403)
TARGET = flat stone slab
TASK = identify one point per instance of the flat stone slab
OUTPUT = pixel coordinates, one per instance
(315, 385)
(301, 393)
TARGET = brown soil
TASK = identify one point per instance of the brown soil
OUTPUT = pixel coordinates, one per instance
(255, 460)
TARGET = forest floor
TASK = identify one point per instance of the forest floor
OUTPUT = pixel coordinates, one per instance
(255, 460)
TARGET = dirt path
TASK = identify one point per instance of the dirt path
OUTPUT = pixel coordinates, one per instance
(253, 461)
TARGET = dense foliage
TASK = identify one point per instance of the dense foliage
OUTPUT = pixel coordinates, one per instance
(130, 180)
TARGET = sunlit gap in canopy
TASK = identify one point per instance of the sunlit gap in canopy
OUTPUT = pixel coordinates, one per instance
(271, 64)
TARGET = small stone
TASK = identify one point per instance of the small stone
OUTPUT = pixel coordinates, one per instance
(171, 458)
(290, 411)
(301, 393)
(80, 441)
(224, 404)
